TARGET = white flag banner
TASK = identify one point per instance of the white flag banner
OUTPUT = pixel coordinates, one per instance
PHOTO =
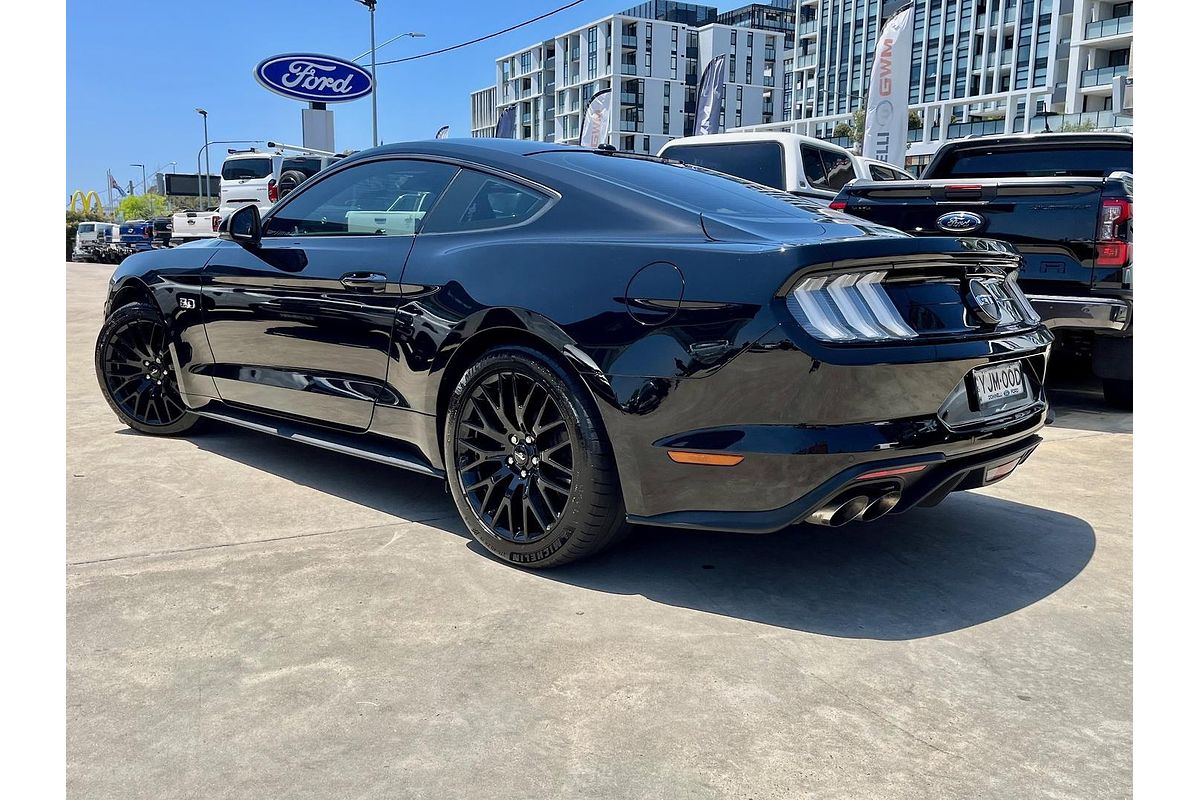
(594, 130)
(711, 98)
(885, 133)
(443, 132)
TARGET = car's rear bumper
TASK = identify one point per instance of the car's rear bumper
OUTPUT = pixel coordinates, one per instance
(806, 430)
(1106, 315)
(938, 475)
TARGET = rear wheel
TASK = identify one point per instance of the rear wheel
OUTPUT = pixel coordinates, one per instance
(1118, 393)
(530, 468)
(136, 374)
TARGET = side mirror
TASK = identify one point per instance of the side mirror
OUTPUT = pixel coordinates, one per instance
(243, 226)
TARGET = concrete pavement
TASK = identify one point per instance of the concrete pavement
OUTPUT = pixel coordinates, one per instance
(250, 617)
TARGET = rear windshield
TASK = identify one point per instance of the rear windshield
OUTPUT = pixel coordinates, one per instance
(761, 162)
(1039, 161)
(86, 227)
(694, 188)
(243, 168)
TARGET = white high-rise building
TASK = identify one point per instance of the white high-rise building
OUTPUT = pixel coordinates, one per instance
(651, 56)
(979, 67)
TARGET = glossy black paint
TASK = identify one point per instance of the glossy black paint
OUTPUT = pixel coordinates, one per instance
(671, 313)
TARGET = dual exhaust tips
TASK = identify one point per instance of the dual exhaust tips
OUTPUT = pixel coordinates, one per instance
(860, 507)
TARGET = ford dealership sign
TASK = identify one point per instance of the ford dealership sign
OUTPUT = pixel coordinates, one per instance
(314, 78)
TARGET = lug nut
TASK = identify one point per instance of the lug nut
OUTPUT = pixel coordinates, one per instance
(513, 439)
(524, 474)
(536, 461)
(528, 440)
(510, 459)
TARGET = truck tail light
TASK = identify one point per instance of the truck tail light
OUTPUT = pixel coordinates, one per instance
(272, 190)
(1112, 233)
(838, 205)
(216, 220)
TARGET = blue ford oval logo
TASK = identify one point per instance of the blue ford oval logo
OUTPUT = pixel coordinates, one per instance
(314, 78)
(960, 221)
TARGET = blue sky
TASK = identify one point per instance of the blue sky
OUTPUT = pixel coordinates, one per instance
(137, 69)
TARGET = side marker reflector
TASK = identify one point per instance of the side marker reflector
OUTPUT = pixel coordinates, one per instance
(887, 473)
(996, 473)
(710, 459)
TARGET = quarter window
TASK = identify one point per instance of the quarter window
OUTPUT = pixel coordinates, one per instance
(814, 168)
(379, 198)
(476, 201)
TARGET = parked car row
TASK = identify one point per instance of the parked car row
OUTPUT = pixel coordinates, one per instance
(111, 243)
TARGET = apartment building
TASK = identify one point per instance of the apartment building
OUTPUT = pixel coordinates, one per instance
(978, 67)
(651, 56)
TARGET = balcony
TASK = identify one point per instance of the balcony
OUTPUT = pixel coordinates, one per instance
(629, 41)
(1103, 76)
(628, 69)
(1084, 121)
(841, 141)
(630, 126)
(915, 134)
(1108, 27)
(958, 130)
(808, 28)
(630, 99)
(809, 60)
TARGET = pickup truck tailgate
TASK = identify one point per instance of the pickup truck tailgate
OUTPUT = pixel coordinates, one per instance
(1051, 222)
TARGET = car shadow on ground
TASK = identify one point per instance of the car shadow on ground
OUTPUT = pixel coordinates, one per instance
(972, 559)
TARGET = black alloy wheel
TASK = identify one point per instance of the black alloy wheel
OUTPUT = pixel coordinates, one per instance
(136, 374)
(514, 457)
(531, 471)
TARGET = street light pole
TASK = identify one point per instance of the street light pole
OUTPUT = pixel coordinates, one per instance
(143, 166)
(370, 4)
(207, 169)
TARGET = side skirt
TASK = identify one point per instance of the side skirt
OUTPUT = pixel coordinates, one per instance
(361, 445)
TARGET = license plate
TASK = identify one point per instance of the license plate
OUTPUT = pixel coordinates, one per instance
(999, 382)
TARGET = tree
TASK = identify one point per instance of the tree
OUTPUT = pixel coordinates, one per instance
(142, 206)
(856, 128)
(1078, 127)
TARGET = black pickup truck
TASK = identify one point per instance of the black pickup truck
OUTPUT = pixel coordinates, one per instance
(1065, 201)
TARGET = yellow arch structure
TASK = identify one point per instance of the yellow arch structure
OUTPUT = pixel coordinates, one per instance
(86, 202)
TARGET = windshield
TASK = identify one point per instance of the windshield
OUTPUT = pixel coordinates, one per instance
(1036, 161)
(245, 168)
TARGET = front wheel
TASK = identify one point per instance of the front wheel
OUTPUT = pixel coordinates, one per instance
(530, 468)
(136, 375)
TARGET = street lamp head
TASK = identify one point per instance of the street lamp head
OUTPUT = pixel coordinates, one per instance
(202, 112)
(416, 35)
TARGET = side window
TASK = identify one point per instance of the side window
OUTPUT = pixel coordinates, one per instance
(899, 175)
(814, 168)
(879, 173)
(477, 201)
(380, 198)
(839, 168)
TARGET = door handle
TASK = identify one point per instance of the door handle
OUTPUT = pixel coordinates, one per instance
(369, 281)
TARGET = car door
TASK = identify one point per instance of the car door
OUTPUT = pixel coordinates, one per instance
(301, 324)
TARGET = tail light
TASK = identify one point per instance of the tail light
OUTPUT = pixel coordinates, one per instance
(853, 306)
(1112, 233)
(216, 220)
(838, 205)
(272, 190)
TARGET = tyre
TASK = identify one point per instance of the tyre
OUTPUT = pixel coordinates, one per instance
(530, 467)
(289, 180)
(136, 375)
(1118, 393)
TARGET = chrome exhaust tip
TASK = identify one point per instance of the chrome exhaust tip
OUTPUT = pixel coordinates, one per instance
(840, 512)
(880, 505)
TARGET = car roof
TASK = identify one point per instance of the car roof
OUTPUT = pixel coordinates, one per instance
(782, 137)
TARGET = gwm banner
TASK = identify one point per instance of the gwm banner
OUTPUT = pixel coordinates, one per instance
(594, 131)
(885, 134)
(313, 78)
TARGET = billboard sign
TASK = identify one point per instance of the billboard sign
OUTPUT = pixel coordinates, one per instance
(313, 78)
(188, 184)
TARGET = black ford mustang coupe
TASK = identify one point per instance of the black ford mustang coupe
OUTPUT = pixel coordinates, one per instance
(581, 339)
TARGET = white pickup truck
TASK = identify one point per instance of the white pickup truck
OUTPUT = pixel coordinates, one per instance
(801, 165)
(249, 177)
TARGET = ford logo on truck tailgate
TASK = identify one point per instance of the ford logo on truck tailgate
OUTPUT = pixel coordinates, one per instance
(315, 78)
(960, 222)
